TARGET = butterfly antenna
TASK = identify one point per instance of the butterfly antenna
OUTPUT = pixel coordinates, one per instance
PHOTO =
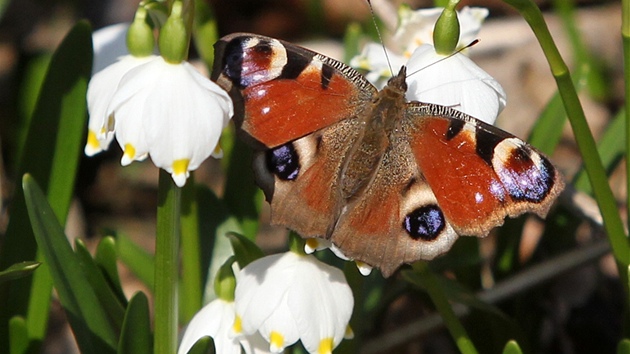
(380, 38)
(446, 57)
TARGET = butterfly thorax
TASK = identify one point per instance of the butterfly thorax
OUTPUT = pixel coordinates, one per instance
(368, 150)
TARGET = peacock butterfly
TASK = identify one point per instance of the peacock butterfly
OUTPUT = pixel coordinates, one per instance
(386, 180)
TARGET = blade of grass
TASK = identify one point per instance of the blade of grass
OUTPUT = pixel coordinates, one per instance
(438, 297)
(139, 261)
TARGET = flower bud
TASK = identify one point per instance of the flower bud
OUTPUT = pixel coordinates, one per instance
(225, 281)
(173, 41)
(446, 33)
(140, 36)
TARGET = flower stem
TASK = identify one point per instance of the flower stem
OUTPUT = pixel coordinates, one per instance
(166, 265)
(434, 289)
(583, 136)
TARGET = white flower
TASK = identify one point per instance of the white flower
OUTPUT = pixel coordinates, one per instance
(455, 82)
(168, 111)
(100, 91)
(215, 320)
(416, 27)
(290, 297)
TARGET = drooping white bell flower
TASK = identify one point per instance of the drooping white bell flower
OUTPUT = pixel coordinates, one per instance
(450, 80)
(217, 317)
(416, 27)
(215, 320)
(157, 107)
(455, 82)
(171, 112)
(289, 297)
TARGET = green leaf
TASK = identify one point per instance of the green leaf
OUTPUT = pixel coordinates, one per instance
(204, 345)
(87, 318)
(512, 347)
(191, 278)
(106, 259)
(108, 299)
(51, 152)
(18, 270)
(18, 335)
(137, 259)
(136, 337)
(244, 249)
(609, 148)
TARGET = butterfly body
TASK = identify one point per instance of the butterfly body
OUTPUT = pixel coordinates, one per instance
(388, 181)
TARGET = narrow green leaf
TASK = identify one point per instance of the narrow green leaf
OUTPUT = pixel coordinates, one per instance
(18, 270)
(50, 154)
(107, 297)
(244, 249)
(136, 337)
(609, 148)
(18, 335)
(137, 259)
(106, 259)
(191, 268)
(512, 347)
(87, 318)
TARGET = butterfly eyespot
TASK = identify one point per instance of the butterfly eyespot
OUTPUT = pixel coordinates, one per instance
(283, 162)
(525, 174)
(424, 223)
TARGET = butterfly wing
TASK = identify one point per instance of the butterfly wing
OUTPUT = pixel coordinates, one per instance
(301, 178)
(283, 92)
(478, 173)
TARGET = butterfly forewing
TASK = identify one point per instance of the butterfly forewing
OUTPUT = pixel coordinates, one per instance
(285, 92)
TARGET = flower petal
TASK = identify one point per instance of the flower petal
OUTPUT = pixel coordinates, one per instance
(454, 81)
(214, 320)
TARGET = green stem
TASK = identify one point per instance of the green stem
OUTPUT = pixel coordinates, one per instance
(434, 289)
(583, 136)
(166, 265)
(191, 261)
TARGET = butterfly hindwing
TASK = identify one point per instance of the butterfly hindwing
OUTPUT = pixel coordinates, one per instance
(282, 92)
